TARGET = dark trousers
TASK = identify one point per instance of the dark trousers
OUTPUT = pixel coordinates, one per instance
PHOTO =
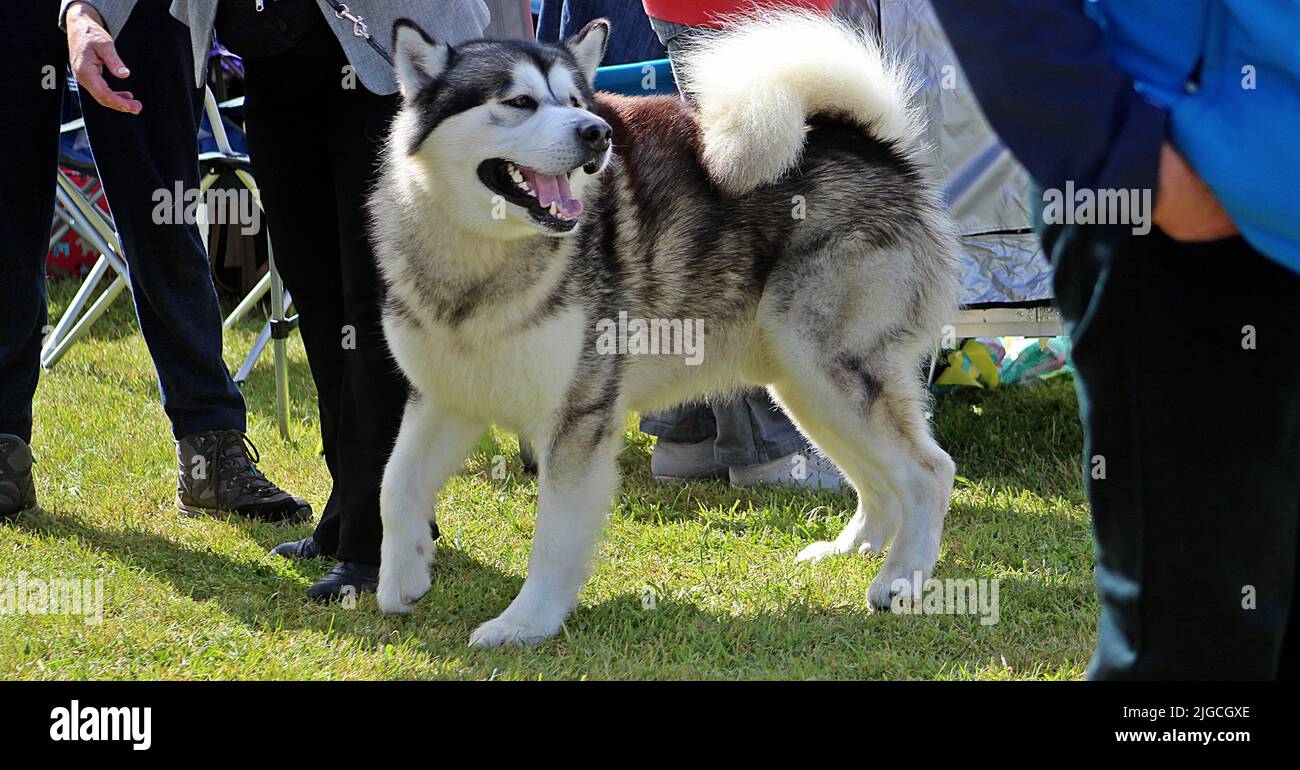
(1189, 386)
(175, 300)
(315, 144)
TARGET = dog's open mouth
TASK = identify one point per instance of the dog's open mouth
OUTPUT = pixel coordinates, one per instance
(547, 197)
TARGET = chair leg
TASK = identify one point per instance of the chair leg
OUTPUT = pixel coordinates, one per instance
(74, 310)
(278, 346)
(279, 324)
(249, 302)
(90, 224)
(254, 353)
(56, 351)
(101, 227)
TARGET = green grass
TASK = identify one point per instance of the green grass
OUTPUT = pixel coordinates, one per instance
(201, 599)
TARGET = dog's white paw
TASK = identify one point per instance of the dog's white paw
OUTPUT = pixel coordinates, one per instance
(822, 550)
(869, 548)
(504, 630)
(891, 583)
(404, 577)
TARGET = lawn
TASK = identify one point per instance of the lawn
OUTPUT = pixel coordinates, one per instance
(201, 599)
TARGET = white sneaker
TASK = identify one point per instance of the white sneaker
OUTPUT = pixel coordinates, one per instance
(673, 461)
(800, 469)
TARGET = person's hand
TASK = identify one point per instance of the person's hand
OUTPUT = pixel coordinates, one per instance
(1186, 209)
(90, 50)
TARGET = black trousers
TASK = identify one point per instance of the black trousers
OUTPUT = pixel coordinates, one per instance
(1189, 385)
(136, 156)
(314, 136)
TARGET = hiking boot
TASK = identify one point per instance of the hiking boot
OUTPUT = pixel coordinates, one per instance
(218, 474)
(17, 488)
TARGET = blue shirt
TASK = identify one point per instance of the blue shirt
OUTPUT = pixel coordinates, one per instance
(1087, 90)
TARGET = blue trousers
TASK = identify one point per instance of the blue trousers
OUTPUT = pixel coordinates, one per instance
(175, 300)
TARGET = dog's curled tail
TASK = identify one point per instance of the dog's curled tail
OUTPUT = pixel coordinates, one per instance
(758, 81)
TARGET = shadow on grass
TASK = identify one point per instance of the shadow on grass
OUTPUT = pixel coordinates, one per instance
(676, 639)
(680, 638)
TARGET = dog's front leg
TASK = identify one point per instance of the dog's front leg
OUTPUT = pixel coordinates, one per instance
(431, 446)
(578, 479)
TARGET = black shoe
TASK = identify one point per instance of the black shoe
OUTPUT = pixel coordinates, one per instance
(17, 489)
(307, 548)
(218, 474)
(348, 578)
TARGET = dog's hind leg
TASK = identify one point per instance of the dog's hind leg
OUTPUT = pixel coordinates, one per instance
(578, 478)
(925, 475)
(879, 510)
(867, 417)
(431, 446)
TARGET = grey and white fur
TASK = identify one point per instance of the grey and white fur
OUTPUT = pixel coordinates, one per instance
(785, 208)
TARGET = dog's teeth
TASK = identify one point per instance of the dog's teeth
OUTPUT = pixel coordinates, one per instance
(515, 175)
(555, 211)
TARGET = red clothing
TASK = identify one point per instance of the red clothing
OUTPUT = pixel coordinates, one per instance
(706, 12)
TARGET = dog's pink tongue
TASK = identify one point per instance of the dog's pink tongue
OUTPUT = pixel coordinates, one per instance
(554, 189)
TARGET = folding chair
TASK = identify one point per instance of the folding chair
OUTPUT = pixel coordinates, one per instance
(78, 211)
(221, 151)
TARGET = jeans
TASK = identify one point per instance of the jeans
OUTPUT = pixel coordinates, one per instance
(747, 429)
(315, 147)
(175, 300)
(1189, 389)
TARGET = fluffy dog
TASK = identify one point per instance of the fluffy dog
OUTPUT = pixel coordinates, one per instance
(521, 218)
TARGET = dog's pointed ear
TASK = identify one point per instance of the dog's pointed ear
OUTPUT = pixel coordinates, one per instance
(588, 46)
(419, 60)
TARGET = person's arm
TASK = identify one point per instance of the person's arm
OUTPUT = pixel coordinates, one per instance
(91, 49)
(113, 13)
(1043, 76)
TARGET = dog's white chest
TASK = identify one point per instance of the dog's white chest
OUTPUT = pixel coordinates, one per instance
(514, 379)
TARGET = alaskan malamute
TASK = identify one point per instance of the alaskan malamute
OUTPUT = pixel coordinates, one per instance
(520, 218)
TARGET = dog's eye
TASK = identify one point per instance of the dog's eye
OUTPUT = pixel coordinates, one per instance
(574, 101)
(524, 102)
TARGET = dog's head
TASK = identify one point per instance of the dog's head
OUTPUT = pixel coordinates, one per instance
(504, 128)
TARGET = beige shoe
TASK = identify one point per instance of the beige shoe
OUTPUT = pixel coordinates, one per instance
(800, 469)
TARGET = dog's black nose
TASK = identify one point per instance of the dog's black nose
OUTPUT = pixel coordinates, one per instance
(596, 135)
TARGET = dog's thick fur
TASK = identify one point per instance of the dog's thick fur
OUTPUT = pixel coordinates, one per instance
(785, 210)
